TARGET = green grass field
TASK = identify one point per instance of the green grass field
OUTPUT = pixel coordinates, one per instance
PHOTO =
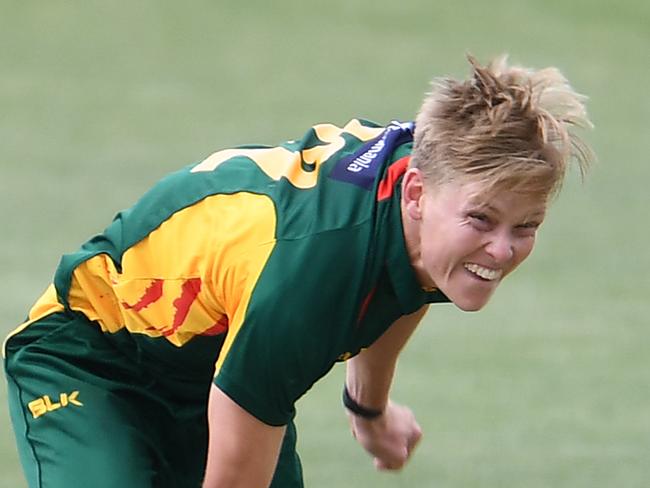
(547, 387)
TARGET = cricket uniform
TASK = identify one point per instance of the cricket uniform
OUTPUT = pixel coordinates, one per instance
(256, 269)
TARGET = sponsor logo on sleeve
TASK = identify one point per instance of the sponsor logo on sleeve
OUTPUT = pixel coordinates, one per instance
(361, 167)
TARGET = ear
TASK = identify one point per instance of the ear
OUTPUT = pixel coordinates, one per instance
(412, 193)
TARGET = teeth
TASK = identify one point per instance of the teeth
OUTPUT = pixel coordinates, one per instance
(485, 273)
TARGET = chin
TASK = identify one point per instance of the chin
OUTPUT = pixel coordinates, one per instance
(469, 304)
(469, 307)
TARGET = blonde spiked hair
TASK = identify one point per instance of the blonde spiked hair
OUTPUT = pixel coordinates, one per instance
(507, 126)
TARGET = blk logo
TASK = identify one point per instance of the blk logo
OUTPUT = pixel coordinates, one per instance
(44, 404)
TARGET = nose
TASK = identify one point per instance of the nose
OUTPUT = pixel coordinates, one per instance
(501, 248)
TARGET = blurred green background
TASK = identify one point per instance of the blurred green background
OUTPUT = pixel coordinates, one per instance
(547, 387)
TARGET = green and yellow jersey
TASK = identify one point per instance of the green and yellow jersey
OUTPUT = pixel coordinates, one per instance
(257, 268)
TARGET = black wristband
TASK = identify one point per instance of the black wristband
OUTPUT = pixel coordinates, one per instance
(356, 409)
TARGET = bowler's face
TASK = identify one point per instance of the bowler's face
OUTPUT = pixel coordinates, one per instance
(465, 244)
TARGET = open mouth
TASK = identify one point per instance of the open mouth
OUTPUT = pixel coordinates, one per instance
(485, 274)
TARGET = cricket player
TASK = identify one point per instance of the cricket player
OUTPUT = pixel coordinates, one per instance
(170, 349)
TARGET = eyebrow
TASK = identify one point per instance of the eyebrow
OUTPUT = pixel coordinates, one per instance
(485, 206)
(537, 214)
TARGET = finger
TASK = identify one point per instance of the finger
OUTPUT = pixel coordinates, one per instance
(414, 438)
(392, 461)
(381, 465)
(384, 466)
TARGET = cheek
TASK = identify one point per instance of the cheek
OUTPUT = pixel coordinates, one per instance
(523, 249)
(440, 255)
(430, 255)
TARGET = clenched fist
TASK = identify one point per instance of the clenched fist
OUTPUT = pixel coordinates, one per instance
(390, 438)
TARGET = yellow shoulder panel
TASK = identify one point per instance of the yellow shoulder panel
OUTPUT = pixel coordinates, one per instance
(188, 277)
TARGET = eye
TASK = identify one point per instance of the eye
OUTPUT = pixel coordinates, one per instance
(528, 228)
(480, 220)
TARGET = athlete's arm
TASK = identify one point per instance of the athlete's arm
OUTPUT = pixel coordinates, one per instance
(242, 450)
(391, 437)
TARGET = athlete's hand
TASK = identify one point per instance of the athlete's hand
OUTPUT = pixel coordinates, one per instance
(390, 438)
